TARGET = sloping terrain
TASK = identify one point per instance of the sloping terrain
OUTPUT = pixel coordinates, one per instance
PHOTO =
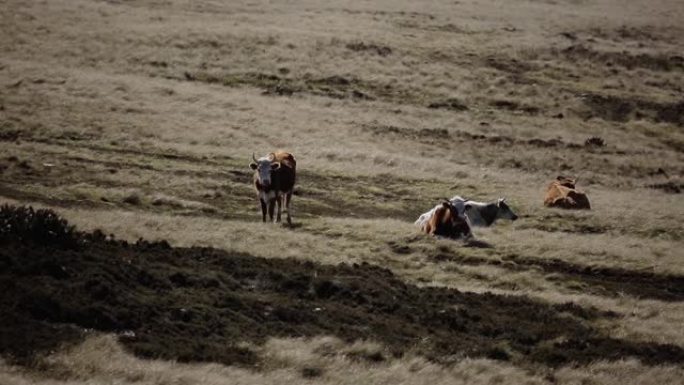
(200, 304)
(139, 119)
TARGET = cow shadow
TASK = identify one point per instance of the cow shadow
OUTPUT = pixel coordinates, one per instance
(478, 244)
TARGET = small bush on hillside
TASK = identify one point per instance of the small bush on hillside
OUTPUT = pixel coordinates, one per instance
(41, 226)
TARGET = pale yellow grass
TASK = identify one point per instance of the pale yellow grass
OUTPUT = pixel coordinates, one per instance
(100, 359)
(660, 256)
(325, 360)
(344, 240)
(115, 75)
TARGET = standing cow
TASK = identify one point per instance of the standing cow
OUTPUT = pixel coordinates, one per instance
(274, 179)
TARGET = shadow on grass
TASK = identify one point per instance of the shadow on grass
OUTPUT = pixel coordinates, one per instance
(199, 304)
(597, 280)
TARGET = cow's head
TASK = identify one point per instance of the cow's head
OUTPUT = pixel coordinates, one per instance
(505, 211)
(459, 222)
(452, 209)
(263, 167)
(566, 181)
(455, 216)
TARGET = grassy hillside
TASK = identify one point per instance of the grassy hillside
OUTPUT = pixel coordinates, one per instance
(139, 118)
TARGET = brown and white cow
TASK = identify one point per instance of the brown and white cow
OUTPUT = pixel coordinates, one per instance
(479, 214)
(562, 193)
(274, 180)
(446, 222)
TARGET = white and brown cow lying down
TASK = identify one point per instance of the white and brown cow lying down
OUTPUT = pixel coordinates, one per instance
(274, 180)
(445, 221)
(478, 214)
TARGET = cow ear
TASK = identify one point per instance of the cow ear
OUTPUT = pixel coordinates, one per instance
(253, 166)
(275, 165)
(445, 204)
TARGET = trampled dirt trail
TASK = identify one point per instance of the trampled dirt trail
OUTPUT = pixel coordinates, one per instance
(199, 304)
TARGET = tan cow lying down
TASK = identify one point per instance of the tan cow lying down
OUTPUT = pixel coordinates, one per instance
(562, 193)
(446, 222)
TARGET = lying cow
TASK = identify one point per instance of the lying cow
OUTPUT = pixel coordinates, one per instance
(562, 193)
(274, 179)
(485, 214)
(478, 213)
(445, 221)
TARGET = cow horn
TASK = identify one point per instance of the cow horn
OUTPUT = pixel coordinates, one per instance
(254, 157)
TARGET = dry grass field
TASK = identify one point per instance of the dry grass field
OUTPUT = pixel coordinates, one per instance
(140, 117)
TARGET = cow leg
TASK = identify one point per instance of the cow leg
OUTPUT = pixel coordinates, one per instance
(271, 208)
(279, 202)
(263, 210)
(288, 200)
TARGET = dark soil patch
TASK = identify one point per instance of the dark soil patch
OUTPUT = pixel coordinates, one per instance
(605, 281)
(421, 134)
(335, 86)
(380, 50)
(508, 140)
(510, 65)
(10, 135)
(511, 105)
(623, 109)
(143, 154)
(422, 23)
(609, 108)
(310, 372)
(595, 141)
(198, 304)
(14, 193)
(668, 187)
(612, 281)
(672, 112)
(661, 62)
(449, 104)
(626, 33)
(76, 135)
(433, 135)
(568, 226)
